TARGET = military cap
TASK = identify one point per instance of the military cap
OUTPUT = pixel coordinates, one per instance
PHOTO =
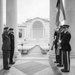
(11, 29)
(65, 26)
(6, 28)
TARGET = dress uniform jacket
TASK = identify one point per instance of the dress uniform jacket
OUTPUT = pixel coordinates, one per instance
(6, 41)
(65, 42)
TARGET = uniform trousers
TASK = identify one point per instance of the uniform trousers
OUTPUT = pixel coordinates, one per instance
(11, 55)
(5, 58)
(56, 55)
(60, 57)
(66, 60)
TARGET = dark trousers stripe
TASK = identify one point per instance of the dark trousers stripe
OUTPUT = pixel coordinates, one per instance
(66, 60)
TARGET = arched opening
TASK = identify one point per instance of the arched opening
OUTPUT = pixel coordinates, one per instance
(37, 29)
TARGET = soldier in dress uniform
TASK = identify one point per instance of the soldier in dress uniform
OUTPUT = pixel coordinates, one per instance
(55, 44)
(5, 48)
(66, 48)
(11, 35)
(60, 48)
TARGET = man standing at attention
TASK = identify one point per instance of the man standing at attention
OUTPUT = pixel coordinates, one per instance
(66, 48)
(11, 35)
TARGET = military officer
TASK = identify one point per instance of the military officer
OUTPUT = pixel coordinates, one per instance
(66, 48)
(5, 48)
(11, 35)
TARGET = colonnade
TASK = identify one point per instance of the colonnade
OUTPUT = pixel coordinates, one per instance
(11, 19)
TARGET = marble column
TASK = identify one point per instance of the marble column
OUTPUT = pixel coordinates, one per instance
(11, 18)
(70, 19)
(52, 19)
(53, 12)
(1, 23)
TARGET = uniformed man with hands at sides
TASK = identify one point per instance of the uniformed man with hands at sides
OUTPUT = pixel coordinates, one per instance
(61, 32)
(55, 45)
(66, 48)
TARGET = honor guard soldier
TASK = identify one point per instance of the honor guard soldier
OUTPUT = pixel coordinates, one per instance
(11, 35)
(66, 48)
(60, 48)
(5, 48)
(55, 44)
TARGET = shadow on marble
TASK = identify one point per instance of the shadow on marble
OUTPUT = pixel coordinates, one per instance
(3, 72)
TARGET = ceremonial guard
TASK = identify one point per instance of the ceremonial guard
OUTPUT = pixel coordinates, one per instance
(66, 48)
(11, 35)
(5, 48)
(55, 44)
(61, 32)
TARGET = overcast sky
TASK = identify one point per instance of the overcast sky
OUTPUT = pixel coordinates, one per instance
(28, 9)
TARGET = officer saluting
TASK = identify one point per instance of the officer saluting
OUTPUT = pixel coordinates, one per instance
(11, 35)
(5, 48)
(66, 48)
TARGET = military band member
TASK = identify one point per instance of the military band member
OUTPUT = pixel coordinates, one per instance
(11, 35)
(5, 48)
(66, 48)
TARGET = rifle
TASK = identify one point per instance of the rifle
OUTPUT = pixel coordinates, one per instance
(52, 45)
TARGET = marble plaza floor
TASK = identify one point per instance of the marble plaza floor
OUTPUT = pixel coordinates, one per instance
(35, 63)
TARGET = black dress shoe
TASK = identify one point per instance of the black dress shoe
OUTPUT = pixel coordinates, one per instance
(12, 63)
(6, 68)
(60, 65)
(64, 70)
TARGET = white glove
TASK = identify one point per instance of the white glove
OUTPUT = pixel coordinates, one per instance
(59, 41)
